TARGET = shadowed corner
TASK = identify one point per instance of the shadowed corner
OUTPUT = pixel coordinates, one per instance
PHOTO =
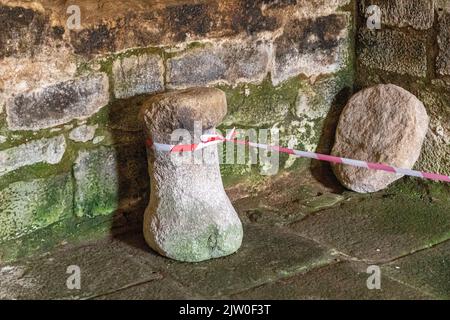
(321, 170)
(133, 181)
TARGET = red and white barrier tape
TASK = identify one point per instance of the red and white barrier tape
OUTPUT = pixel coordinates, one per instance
(212, 139)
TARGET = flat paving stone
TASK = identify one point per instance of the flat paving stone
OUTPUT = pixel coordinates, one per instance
(104, 267)
(284, 200)
(428, 270)
(338, 281)
(164, 289)
(267, 254)
(380, 227)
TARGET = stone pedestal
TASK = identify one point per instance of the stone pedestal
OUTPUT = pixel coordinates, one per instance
(189, 217)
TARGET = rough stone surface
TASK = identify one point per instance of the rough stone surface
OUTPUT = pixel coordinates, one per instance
(48, 151)
(443, 60)
(227, 62)
(244, 109)
(418, 14)
(98, 139)
(435, 156)
(45, 277)
(108, 179)
(381, 124)
(407, 226)
(131, 24)
(57, 104)
(393, 51)
(428, 270)
(189, 217)
(311, 47)
(258, 262)
(161, 289)
(137, 75)
(83, 133)
(382, 227)
(30, 205)
(340, 281)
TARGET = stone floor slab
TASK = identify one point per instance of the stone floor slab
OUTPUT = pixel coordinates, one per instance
(267, 254)
(104, 267)
(428, 270)
(285, 199)
(164, 289)
(342, 280)
(380, 227)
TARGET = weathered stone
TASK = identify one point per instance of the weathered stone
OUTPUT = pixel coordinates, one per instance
(136, 75)
(108, 179)
(98, 139)
(443, 60)
(382, 227)
(427, 270)
(3, 139)
(48, 151)
(46, 277)
(123, 115)
(227, 62)
(258, 262)
(180, 21)
(244, 103)
(131, 24)
(22, 28)
(57, 104)
(283, 199)
(323, 202)
(189, 217)
(32, 52)
(393, 51)
(418, 14)
(338, 281)
(382, 124)
(311, 47)
(317, 109)
(83, 133)
(315, 100)
(30, 205)
(435, 156)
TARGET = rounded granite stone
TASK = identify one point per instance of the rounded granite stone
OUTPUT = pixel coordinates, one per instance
(382, 124)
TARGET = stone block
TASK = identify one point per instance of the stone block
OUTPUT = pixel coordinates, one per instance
(427, 270)
(311, 46)
(339, 281)
(30, 205)
(135, 75)
(59, 103)
(229, 62)
(381, 228)
(110, 178)
(48, 151)
(443, 60)
(418, 14)
(393, 51)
